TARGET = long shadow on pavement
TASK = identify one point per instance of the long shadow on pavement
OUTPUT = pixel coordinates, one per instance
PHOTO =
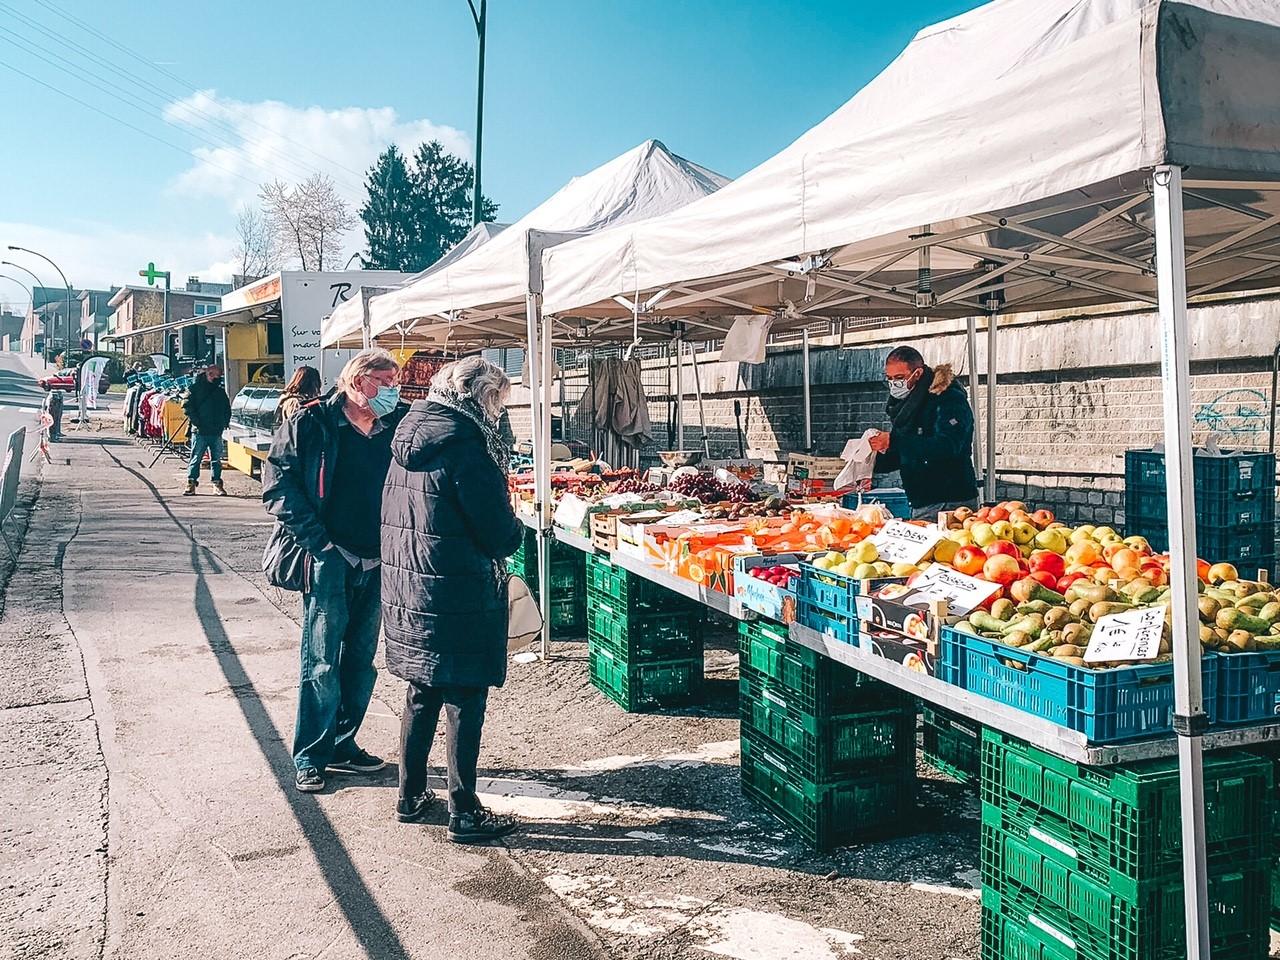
(374, 931)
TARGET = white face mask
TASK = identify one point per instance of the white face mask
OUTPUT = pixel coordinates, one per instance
(899, 388)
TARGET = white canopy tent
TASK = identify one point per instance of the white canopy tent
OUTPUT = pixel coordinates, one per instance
(479, 297)
(1029, 155)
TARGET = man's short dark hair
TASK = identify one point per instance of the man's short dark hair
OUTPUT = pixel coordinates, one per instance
(908, 355)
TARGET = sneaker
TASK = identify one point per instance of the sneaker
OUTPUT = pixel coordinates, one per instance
(191, 489)
(309, 780)
(360, 761)
(415, 809)
(480, 826)
(217, 485)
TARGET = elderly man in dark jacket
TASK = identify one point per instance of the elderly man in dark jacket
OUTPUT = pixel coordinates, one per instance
(447, 525)
(208, 411)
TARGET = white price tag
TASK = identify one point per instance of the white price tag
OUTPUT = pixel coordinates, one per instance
(962, 593)
(902, 542)
(571, 512)
(1134, 635)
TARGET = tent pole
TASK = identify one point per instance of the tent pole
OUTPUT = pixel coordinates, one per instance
(971, 336)
(541, 476)
(364, 310)
(808, 397)
(989, 485)
(1189, 718)
(544, 440)
(679, 445)
(702, 411)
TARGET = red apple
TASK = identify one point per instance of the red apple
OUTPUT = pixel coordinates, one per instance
(1049, 562)
(1045, 578)
(969, 560)
(1068, 580)
(1000, 568)
(1002, 547)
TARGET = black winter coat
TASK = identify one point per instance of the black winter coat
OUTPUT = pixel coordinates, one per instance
(446, 521)
(208, 407)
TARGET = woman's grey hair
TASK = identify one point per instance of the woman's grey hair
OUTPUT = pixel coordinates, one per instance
(477, 379)
(364, 363)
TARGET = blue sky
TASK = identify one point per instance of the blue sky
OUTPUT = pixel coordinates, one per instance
(325, 85)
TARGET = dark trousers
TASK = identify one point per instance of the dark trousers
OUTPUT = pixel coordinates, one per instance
(464, 718)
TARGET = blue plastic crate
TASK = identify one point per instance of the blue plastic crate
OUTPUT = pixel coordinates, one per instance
(1248, 687)
(1239, 472)
(1107, 706)
(894, 500)
(1229, 511)
(1248, 548)
(828, 623)
(835, 592)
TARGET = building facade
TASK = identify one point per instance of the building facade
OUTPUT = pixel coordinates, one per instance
(135, 308)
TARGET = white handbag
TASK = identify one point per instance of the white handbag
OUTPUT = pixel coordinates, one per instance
(524, 619)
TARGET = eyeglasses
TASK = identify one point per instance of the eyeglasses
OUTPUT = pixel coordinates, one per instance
(898, 382)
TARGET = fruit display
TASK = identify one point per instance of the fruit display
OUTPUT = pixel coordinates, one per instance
(779, 576)
(632, 484)
(771, 507)
(862, 562)
(1238, 616)
(707, 489)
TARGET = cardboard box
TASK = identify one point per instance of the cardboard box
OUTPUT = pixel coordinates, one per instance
(631, 531)
(809, 475)
(919, 655)
(767, 599)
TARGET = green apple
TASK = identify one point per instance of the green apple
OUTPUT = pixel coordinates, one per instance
(1052, 539)
(1082, 533)
(863, 552)
(1024, 532)
(983, 534)
(864, 571)
(1003, 530)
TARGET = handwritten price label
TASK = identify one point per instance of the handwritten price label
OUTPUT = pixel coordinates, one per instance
(900, 542)
(962, 593)
(1134, 635)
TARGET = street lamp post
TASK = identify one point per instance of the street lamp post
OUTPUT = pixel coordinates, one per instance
(65, 282)
(39, 283)
(30, 294)
(480, 16)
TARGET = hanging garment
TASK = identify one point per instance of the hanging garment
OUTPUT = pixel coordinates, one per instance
(618, 410)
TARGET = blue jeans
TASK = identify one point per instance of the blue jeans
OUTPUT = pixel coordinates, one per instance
(341, 619)
(200, 442)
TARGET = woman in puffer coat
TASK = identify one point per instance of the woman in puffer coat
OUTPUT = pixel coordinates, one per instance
(447, 526)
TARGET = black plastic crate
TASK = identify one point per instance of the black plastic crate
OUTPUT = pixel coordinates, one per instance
(824, 748)
(1240, 472)
(1228, 511)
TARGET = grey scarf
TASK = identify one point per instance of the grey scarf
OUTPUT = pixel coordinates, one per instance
(472, 411)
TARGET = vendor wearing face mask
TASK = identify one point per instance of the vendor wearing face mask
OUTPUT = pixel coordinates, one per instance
(323, 481)
(930, 441)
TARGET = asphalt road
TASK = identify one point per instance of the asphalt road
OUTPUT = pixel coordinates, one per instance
(20, 400)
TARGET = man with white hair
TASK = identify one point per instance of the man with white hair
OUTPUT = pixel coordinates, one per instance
(323, 483)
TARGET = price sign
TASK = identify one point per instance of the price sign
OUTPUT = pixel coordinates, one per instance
(901, 542)
(571, 512)
(962, 593)
(1134, 635)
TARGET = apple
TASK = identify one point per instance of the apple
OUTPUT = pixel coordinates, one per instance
(864, 571)
(1012, 505)
(1045, 578)
(945, 550)
(882, 569)
(962, 538)
(1001, 547)
(1138, 544)
(1068, 580)
(1053, 539)
(962, 513)
(1083, 552)
(1222, 573)
(1042, 518)
(864, 552)
(1003, 529)
(1048, 562)
(1024, 532)
(1082, 533)
(1001, 569)
(998, 513)
(1025, 549)
(847, 568)
(969, 560)
(1105, 533)
(983, 534)
(1105, 574)
(904, 569)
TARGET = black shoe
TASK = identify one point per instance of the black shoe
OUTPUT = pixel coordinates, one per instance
(415, 809)
(191, 489)
(309, 780)
(480, 826)
(360, 761)
(217, 485)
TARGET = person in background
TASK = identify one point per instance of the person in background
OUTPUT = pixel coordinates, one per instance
(930, 440)
(53, 404)
(208, 411)
(302, 388)
(323, 481)
(447, 526)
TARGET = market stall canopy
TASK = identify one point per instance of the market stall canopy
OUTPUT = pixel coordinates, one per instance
(1002, 161)
(481, 295)
(224, 318)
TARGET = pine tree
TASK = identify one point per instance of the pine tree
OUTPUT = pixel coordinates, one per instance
(389, 214)
(441, 184)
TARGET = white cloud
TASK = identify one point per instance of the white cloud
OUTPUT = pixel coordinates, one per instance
(101, 255)
(270, 139)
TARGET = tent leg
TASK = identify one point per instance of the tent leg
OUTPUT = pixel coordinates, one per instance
(544, 439)
(971, 337)
(804, 386)
(1189, 718)
(679, 442)
(702, 411)
(541, 467)
(989, 486)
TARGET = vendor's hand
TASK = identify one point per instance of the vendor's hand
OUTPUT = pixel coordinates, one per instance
(879, 442)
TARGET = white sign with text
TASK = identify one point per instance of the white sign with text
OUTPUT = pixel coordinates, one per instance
(902, 542)
(1133, 635)
(961, 592)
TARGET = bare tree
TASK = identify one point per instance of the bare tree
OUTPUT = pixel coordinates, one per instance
(309, 219)
(257, 247)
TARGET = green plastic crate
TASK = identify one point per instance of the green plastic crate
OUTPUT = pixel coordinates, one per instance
(822, 749)
(952, 744)
(831, 814)
(568, 614)
(1100, 925)
(815, 683)
(628, 592)
(645, 686)
(641, 637)
(1127, 819)
(1275, 895)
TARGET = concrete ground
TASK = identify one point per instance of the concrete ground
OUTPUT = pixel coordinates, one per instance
(147, 689)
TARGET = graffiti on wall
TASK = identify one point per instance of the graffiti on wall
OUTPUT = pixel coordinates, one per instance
(1235, 413)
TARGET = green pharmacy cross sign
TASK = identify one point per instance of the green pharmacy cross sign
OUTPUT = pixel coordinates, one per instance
(151, 274)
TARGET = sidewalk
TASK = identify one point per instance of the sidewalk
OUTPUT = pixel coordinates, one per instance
(638, 843)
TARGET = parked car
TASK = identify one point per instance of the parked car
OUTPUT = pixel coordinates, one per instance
(64, 380)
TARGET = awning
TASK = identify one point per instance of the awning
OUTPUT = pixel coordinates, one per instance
(223, 318)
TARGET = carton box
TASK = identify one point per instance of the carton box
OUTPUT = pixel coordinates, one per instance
(809, 475)
(767, 599)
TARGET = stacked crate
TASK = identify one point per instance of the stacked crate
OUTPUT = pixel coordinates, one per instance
(567, 608)
(827, 750)
(1235, 506)
(952, 744)
(644, 643)
(1086, 862)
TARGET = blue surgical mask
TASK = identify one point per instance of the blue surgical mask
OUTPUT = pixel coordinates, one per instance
(385, 401)
(899, 389)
